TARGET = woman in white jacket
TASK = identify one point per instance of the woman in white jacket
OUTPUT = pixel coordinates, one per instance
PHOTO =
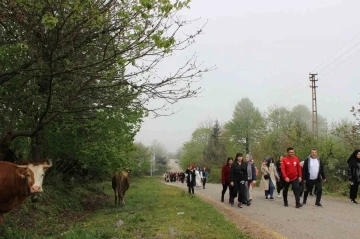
(198, 177)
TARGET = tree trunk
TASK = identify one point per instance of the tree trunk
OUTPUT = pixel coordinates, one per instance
(247, 145)
(5, 143)
(36, 148)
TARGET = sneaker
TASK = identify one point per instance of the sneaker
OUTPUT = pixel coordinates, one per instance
(271, 198)
(266, 198)
(299, 205)
(286, 204)
(353, 201)
(239, 205)
(279, 196)
(318, 204)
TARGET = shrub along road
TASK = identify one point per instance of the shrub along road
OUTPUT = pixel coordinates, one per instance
(338, 218)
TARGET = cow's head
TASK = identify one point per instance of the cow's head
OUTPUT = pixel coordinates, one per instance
(34, 173)
(127, 170)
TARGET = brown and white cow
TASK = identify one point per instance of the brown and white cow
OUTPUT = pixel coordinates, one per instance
(17, 182)
(120, 184)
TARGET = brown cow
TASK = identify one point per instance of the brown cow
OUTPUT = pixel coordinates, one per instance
(120, 184)
(17, 182)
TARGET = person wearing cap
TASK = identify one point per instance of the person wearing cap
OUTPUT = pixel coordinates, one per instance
(291, 172)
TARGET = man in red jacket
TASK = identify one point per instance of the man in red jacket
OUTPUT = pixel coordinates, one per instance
(291, 172)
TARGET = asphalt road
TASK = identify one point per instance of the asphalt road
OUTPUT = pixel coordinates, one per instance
(338, 218)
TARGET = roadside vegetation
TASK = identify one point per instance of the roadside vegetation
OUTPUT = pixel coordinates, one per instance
(269, 134)
(152, 210)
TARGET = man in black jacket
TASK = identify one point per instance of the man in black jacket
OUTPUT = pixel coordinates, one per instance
(313, 174)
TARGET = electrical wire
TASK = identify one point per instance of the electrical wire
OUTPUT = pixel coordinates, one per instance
(336, 52)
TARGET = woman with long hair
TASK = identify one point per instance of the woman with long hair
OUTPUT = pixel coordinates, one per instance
(238, 179)
(268, 178)
(354, 174)
(225, 179)
(190, 176)
(251, 176)
(280, 182)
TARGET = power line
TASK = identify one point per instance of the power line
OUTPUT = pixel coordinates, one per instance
(336, 52)
(342, 63)
(294, 84)
(340, 56)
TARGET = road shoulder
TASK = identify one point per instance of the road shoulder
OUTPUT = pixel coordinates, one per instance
(252, 228)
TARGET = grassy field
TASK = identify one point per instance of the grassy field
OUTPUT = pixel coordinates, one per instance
(152, 210)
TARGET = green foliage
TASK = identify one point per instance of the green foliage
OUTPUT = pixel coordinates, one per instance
(59, 207)
(94, 146)
(215, 153)
(215, 175)
(153, 207)
(141, 159)
(246, 125)
(270, 134)
(62, 59)
(77, 213)
(193, 150)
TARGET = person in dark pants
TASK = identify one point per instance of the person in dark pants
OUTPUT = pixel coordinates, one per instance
(280, 182)
(354, 174)
(238, 179)
(291, 172)
(301, 183)
(225, 180)
(182, 177)
(313, 174)
(205, 175)
(190, 176)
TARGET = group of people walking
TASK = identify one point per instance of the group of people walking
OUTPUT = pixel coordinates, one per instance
(196, 177)
(239, 176)
(174, 176)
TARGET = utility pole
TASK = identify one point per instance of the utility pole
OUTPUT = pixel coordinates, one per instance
(152, 165)
(314, 103)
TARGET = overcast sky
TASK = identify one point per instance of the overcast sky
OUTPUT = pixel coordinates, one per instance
(265, 50)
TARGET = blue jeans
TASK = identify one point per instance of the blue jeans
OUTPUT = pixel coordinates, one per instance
(270, 192)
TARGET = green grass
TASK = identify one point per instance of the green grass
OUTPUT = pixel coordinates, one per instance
(151, 211)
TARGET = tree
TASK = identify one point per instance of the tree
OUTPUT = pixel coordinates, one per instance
(160, 152)
(246, 125)
(303, 117)
(93, 147)
(141, 156)
(81, 56)
(193, 150)
(215, 152)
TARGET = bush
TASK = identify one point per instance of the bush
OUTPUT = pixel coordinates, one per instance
(215, 175)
